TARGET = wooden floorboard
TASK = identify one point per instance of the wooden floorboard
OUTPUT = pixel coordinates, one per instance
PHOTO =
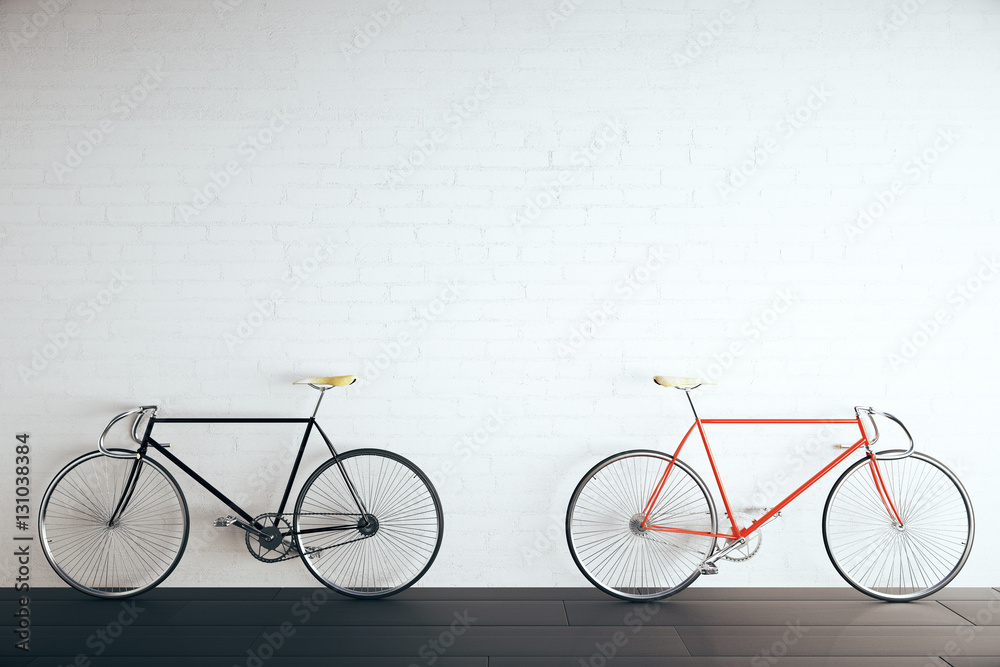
(695, 593)
(916, 641)
(766, 612)
(978, 612)
(861, 661)
(508, 627)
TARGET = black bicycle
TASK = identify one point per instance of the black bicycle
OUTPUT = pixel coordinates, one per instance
(114, 523)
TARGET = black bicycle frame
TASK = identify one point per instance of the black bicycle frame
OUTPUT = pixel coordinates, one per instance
(310, 422)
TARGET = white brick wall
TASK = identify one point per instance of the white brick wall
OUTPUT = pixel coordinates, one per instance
(522, 290)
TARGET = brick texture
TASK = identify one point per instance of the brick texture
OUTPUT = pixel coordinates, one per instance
(201, 202)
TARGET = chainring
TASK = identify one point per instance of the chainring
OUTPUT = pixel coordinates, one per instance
(749, 548)
(274, 548)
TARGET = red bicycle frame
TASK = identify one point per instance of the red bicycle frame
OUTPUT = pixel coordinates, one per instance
(738, 532)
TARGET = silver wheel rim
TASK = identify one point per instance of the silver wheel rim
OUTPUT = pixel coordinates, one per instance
(127, 558)
(899, 563)
(640, 564)
(408, 517)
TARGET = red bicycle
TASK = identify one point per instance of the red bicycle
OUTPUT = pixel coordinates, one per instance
(642, 525)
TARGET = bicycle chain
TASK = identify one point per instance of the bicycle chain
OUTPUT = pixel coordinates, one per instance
(295, 544)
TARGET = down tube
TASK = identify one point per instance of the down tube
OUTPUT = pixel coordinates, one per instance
(797, 492)
(208, 487)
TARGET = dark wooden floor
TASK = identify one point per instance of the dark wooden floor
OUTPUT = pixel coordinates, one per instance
(502, 627)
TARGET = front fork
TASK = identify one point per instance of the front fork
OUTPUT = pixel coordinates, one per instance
(883, 490)
(130, 484)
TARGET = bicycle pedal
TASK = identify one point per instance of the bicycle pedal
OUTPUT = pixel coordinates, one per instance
(225, 521)
(709, 568)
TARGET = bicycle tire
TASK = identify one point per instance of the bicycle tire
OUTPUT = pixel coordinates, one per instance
(684, 502)
(935, 539)
(130, 557)
(375, 559)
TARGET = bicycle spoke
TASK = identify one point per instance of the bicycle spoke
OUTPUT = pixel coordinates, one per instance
(610, 546)
(404, 524)
(894, 562)
(134, 553)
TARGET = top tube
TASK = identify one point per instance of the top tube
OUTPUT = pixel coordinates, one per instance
(779, 421)
(232, 420)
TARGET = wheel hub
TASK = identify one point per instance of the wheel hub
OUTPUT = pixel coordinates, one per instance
(368, 525)
(635, 525)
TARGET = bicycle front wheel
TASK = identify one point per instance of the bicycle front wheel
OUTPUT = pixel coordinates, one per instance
(605, 534)
(883, 559)
(379, 552)
(113, 558)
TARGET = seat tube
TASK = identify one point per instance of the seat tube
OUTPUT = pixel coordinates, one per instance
(295, 466)
(718, 479)
(711, 460)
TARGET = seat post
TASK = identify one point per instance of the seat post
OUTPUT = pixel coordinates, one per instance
(687, 392)
(322, 390)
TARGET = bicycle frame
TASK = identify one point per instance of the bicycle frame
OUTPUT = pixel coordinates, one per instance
(737, 532)
(147, 441)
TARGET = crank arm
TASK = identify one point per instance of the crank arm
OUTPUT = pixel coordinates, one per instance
(710, 561)
(250, 529)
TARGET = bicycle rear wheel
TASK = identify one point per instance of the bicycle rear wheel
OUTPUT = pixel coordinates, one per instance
(382, 552)
(118, 559)
(899, 563)
(608, 543)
